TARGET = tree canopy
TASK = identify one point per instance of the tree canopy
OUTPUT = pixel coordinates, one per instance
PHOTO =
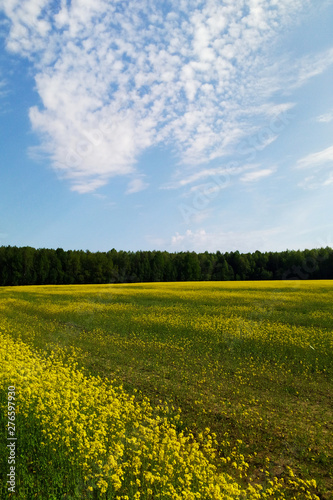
(30, 266)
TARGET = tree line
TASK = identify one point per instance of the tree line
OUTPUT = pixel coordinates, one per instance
(30, 266)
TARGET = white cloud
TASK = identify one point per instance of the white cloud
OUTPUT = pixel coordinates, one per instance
(319, 163)
(3, 91)
(257, 175)
(317, 159)
(209, 188)
(136, 185)
(317, 181)
(248, 241)
(325, 118)
(115, 78)
(220, 176)
(311, 66)
(207, 173)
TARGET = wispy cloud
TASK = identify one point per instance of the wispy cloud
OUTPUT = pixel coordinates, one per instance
(312, 182)
(321, 164)
(202, 240)
(310, 66)
(218, 175)
(3, 91)
(325, 118)
(136, 185)
(115, 78)
(316, 159)
(257, 175)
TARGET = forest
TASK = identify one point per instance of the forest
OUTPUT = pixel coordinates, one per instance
(30, 266)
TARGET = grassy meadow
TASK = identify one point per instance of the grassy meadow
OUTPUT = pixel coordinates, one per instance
(193, 390)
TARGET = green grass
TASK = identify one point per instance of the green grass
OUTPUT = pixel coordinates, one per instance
(250, 360)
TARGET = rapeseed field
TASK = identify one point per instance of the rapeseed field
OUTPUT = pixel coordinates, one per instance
(203, 390)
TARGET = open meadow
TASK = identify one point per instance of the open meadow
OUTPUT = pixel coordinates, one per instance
(192, 390)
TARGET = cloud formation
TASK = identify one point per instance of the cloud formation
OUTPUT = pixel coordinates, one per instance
(115, 78)
(257, 175)
(325, 118)
(320, 163)
(3, 89)
(136, 185)
(316, 159)
(201, 240)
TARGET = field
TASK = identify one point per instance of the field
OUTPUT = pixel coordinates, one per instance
(212, 390)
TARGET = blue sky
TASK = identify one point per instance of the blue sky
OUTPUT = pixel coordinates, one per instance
(167, 125)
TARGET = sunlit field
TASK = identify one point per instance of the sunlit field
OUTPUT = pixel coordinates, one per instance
(200, 390)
